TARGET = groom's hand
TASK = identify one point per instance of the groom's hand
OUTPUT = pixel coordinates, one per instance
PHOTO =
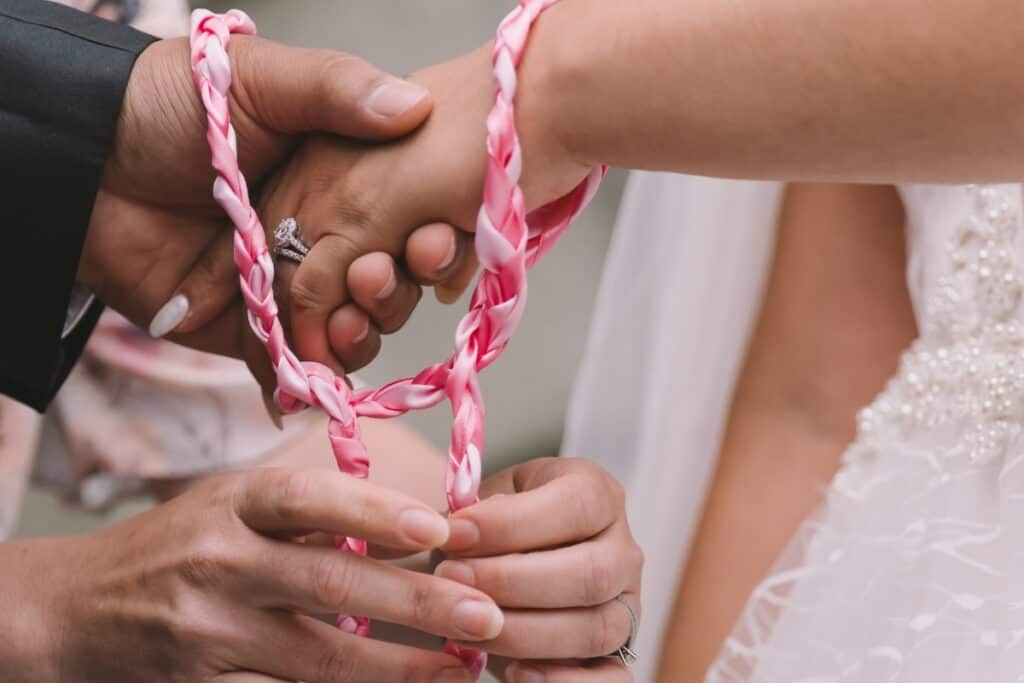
(154, 220)
(551, 545)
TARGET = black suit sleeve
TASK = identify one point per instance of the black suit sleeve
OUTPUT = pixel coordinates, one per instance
(63, 75)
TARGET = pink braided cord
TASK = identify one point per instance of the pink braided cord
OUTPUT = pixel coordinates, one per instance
(508, 242)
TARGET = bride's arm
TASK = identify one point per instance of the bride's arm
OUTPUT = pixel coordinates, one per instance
(904, 90)
(835, 316)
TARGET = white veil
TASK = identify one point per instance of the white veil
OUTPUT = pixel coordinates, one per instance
(681, 289)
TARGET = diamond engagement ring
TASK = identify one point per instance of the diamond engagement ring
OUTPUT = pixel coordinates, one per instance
(288, 241)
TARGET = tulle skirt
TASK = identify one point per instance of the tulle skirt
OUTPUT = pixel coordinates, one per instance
(911, 571)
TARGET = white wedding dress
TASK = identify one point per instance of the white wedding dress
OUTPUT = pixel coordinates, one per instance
(912, 570)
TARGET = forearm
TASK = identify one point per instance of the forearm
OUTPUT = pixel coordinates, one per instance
(770, 476)
(910, 90)
(835, 316)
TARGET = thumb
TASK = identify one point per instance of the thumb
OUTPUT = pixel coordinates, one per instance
(296, 90)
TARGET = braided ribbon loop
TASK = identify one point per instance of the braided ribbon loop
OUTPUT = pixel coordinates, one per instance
(508, 242)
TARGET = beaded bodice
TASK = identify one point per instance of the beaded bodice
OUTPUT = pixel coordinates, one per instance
(966, 369)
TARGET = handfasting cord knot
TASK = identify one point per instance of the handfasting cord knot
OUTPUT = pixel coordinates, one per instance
(508, 242)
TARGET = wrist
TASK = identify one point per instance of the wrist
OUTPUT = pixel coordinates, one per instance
(31, 631)
(549, 105)
(464, 94)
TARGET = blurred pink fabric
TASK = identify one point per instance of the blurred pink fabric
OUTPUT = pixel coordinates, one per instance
(136, 410)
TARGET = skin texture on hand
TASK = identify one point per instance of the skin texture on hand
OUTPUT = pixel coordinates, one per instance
(197, 588)
(550, 543)
(155, 229)
(355, 199)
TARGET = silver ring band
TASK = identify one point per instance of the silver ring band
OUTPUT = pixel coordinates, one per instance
(626, 653)
(288, 241)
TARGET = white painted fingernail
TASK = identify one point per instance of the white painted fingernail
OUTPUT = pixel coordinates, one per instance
(170, 316)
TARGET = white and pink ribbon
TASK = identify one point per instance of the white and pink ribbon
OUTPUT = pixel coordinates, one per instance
(508, 242)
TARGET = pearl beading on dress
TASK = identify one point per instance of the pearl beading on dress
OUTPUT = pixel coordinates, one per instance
(968, 365)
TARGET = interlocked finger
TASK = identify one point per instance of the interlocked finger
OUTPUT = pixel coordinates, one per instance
(318, 580)
(581, 633)
(308, 650)
(602, 670)
(584, 574)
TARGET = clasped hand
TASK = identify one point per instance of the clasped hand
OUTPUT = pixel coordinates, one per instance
(554, 551)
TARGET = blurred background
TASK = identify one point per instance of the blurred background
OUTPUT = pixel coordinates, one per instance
(527, 389)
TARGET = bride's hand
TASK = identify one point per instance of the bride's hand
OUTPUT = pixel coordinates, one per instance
(209, 588)
(351, 198)
(551, 544)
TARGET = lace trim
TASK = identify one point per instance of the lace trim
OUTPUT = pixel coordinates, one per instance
(968, 365)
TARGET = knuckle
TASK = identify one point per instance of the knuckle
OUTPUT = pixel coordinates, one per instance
(340, 68)
(290, 492)
(497, 580)
(599, 579)
(421, 606)
(603, 632)
(637, 558)
(518, 641)
(197, 627)
(213, 269)
(332, 581)
(205, 562)
(221, 494)
(351, 213)
(337, 665)
(306, 291)
(587, 508)
(616, 492)
(369, 507)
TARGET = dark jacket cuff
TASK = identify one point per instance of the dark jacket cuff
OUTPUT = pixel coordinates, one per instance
(63, 76)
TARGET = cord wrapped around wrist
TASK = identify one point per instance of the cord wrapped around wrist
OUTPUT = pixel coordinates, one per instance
(507, 242)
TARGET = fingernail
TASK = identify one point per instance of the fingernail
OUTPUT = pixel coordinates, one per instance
(389, 287)
(169, 316)
(520, 673)
(449, 257)
(428, 529)
(478, 620)
(460, 675)
(273, 411)
(464, 535)
(394, 98)
(460, 572)
(446, 295)
(364, 333)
